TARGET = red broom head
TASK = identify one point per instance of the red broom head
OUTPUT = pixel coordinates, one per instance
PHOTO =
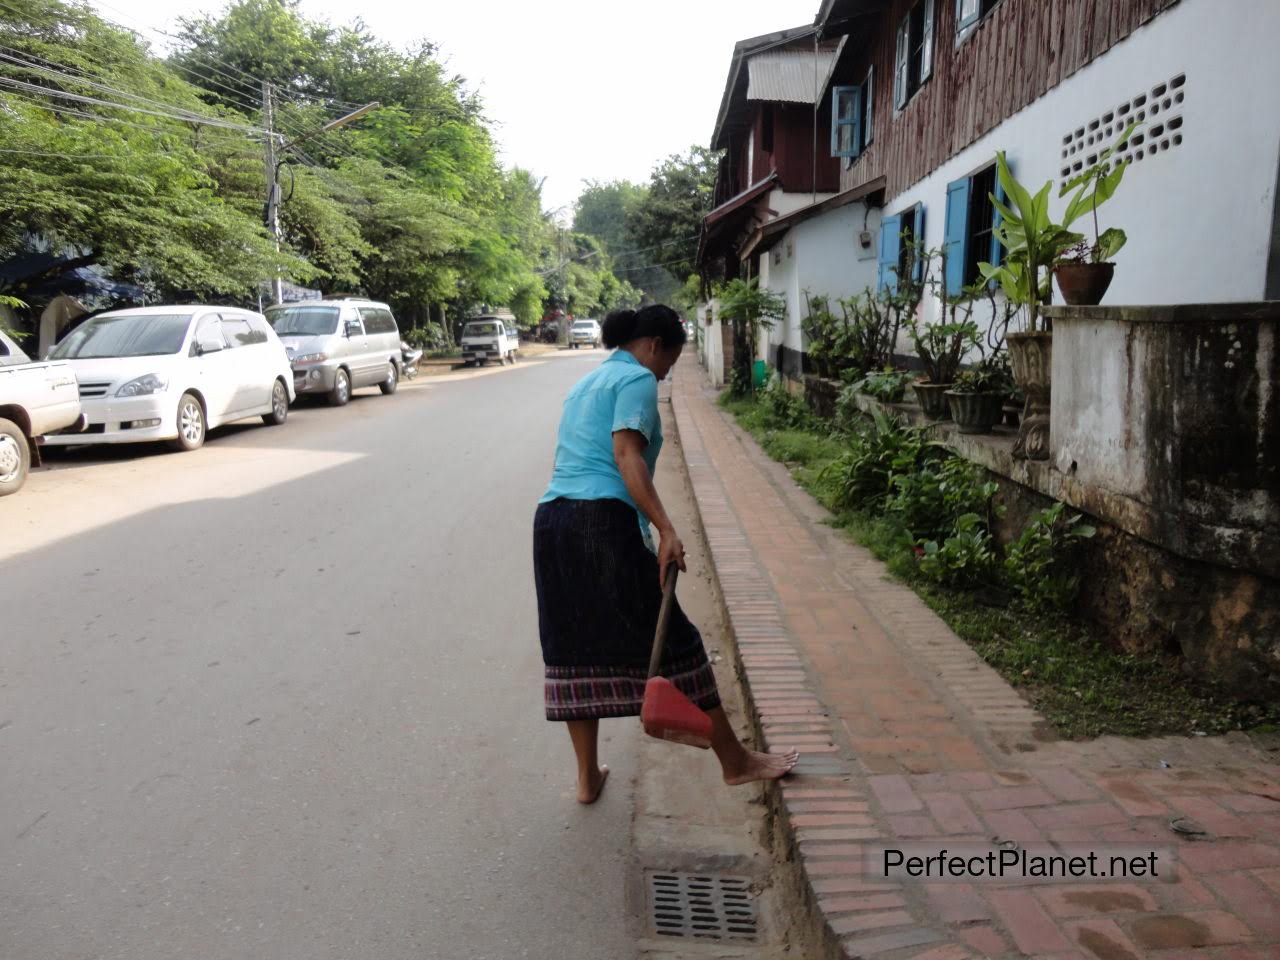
(668, 714)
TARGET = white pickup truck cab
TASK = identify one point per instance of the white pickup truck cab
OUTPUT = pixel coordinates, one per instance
(490, 338)
(35, 399)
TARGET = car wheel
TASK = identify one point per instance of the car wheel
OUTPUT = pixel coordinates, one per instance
(279, 405)
(15, 458)
(191, 425)
(341, 391)
(388, 386)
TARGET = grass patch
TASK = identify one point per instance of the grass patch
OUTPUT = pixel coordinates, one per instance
(1084, 688)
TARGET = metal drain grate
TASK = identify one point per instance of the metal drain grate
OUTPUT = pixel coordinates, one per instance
(702, 906)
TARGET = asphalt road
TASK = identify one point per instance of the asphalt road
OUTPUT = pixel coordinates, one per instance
(281, 698)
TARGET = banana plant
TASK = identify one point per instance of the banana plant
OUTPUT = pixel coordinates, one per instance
(1032, 241)
(1093, 187)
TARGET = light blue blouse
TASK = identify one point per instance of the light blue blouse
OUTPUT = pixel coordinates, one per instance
(620, 394)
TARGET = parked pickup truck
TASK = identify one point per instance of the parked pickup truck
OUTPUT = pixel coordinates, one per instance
(35, 399)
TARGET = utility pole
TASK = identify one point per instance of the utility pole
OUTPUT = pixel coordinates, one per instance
(272, 213)
(273, 187)
(564, 289)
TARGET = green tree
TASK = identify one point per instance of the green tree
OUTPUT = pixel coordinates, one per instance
(666, 225)
(136, 193)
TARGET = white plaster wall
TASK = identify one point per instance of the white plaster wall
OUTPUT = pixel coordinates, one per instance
(781, 278)
(712, 345)
(1198, 217)
(826, 259)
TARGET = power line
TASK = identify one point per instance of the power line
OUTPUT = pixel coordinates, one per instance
(106, 88)
(152, 129)
(38, 90)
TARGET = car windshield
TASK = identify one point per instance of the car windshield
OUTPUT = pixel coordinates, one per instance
(125, 335)
(480, 330)
(303, 321)
(584, 325)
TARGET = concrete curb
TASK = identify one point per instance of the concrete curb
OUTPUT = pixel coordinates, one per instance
(824, 815)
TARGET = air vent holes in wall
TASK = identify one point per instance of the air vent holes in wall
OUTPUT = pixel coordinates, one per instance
(1158, 112)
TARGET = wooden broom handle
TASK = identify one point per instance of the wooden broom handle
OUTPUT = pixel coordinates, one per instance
(664, 615)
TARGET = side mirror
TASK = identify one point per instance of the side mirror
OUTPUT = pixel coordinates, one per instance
(209, 346)
(353, 329)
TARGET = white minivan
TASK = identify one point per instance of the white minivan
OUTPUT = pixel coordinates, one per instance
(337, 346)
(174, 373)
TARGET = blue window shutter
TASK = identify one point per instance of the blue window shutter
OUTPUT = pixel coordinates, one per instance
(835, 121)
(855, 120)
(846, 115)
(890, 249)
(926, 43)
(997, 248)
(956, 240)
(868, 114)
(917, 232)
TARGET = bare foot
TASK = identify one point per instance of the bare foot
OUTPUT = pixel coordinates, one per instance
(589, 792)
(761, 766)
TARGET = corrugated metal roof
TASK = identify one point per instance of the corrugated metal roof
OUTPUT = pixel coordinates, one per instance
(789, 76)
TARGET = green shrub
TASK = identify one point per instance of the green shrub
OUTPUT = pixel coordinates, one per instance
(862, 477)
(931, 500)
(1039, 565)
(848, 416)
(964, 559)
(784, 408)
(888, 385)
(428, 339)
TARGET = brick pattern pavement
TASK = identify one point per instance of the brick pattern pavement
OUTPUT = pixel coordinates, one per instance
(906, 734)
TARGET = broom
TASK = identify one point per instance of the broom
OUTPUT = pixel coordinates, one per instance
(668, 714)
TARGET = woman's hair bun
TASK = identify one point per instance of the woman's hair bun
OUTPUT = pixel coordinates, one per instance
(619, 328)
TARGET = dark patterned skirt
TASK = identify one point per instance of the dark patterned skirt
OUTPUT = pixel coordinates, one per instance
(598, 601)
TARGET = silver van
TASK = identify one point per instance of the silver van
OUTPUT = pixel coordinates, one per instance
(336, 346)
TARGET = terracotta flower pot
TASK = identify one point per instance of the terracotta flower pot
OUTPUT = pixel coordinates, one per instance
(1084, 284)
(975, 412)
(933, 399)
(1031, 356)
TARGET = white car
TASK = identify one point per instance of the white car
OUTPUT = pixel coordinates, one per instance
(174, 373)
(584, 332)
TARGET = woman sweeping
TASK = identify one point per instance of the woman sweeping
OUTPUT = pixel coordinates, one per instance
(599, 583)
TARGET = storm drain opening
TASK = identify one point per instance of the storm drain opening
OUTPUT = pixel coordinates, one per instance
(702, 906)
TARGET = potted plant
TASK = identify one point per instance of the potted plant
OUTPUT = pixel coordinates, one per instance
(1086, 271)
(1033, 244)
(977, 398)
(941, 348)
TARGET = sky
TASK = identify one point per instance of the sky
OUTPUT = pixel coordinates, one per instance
(576, 89)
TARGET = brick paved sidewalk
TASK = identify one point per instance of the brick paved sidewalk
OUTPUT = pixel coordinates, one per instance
(908, 736)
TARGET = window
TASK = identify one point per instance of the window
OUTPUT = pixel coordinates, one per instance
(208, 331)
(303, 321)
(846, 121)
(970, 228)
(239, 332)
(377, 320)
(969, 12)
(852, 121)
(898, 248)
(127, 335)
(913, 57)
